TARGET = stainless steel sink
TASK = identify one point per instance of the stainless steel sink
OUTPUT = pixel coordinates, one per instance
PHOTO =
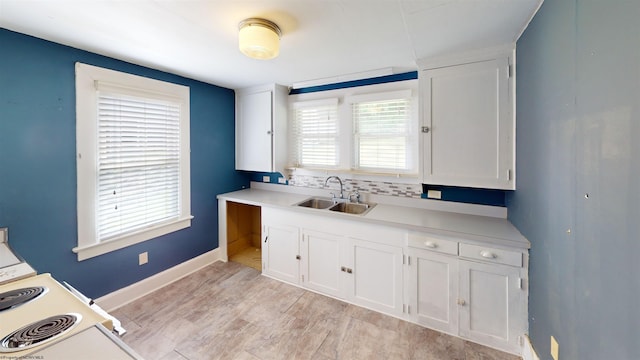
(340, 206)
(317, 203)
(352, 208)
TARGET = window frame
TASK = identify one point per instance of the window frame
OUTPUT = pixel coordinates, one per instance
(294, 140)
(411, 157)
(345, 97)
(87, 78)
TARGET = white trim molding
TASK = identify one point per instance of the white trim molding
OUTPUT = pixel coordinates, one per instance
(128, 294)
(528, 352)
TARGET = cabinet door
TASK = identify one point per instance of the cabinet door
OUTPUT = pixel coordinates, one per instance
(433, 290)
(374, 273)
(280, 252)
(492, 304)
(254, 131)
(321, 269)
(468, 125)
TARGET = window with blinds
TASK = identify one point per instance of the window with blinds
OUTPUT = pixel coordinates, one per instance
(314, 134)
(138, 172)
(133, 160)
(383, 136)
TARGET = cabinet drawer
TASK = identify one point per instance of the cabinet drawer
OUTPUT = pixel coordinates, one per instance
(492, 255)
(433, 243)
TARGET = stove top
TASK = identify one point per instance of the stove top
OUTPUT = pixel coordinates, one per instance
(13, 298)
(39, 332)
(55, 309)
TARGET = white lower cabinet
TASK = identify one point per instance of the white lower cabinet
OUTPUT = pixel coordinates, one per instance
(375, 276)
(321, 263)
(474, 295)
(364, 272)
(492, 305)
(433, 290)
(468, 290)
(280, 252)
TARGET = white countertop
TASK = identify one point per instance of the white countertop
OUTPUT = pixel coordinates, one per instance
(468, 226)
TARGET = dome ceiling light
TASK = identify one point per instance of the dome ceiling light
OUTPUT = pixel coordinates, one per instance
(259, 38)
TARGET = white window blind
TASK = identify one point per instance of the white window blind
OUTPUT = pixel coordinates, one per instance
(133, 159)
(314, 134)
(383, 136)
(138, 162)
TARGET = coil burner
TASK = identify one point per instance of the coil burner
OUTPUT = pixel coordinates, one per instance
(39, 332)
(14, 298)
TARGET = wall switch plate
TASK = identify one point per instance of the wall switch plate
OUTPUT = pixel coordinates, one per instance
(143, 258)
(554, 348)
(434, 194)
(266, 178)
(282, 180)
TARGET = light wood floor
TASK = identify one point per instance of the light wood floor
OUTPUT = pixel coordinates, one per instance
(230, 311)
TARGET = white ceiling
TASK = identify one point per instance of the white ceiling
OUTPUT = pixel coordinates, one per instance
(321, 39)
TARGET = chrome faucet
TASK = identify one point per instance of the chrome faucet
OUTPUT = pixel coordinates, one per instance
(341, 187)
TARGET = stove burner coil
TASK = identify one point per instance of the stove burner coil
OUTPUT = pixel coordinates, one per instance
(14, 298)
(39, 332)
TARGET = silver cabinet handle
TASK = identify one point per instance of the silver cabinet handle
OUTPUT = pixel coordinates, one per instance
(487, 254)
(430, 244)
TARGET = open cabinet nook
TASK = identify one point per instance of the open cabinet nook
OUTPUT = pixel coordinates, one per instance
(243, 234)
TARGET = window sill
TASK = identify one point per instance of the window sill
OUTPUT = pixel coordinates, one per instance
(88, 251)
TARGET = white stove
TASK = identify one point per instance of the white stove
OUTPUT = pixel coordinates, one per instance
(39, 315)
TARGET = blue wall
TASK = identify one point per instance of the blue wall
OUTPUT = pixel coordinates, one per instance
(38, 168)
(578, 133)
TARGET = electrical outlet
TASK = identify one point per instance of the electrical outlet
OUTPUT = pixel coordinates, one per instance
(434, 194)
(554, 348)
(266, 178)
(282, 180)
(143, 258)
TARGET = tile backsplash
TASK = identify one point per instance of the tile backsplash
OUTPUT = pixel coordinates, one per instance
(491, 197)
(362, 186)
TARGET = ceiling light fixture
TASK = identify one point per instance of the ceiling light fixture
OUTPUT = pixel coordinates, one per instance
(259, 38)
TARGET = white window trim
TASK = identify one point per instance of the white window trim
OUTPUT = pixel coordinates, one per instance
(412, 152)
(361, 93)
(294, 106)
(87, 77)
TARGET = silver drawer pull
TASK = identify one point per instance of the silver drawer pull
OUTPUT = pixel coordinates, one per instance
(430, 244)
(487, 254)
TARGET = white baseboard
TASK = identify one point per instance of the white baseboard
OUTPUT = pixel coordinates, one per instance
(528, 353)
(121, 297)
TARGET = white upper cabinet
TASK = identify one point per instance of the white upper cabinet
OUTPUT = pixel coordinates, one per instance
(468, 120)
(261, 128)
